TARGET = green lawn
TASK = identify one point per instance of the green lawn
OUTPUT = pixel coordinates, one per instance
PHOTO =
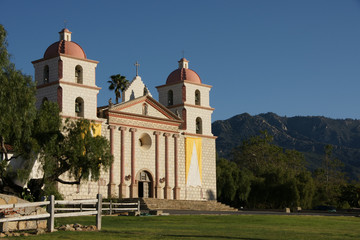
(254, 227)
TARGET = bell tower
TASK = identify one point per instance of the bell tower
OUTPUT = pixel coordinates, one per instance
(65, 75)
(186, 95)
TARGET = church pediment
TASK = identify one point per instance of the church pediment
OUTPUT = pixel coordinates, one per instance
(144, 107)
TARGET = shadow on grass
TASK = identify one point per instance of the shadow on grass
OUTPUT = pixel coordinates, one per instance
(209, 237)
(180, 236)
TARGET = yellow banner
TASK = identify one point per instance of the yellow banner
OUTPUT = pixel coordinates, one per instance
(193, 161)
(96, 129)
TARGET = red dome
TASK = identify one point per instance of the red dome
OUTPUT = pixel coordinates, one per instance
(64, 47)
(181, 74)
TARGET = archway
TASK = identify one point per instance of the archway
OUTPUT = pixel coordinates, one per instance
(145, 184)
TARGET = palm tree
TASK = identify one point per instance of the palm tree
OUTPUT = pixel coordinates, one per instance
(119, 84)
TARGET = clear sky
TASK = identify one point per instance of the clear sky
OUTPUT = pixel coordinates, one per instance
(290, 57)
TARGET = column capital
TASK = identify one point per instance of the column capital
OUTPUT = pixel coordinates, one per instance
(167, 134)
(176, 135)
(112, 127)
(133, 130)
(122, 128)
(157, 133)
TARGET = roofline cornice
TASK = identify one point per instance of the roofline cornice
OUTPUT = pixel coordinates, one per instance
(67, 83)
(185, 81)
(190, 105)
(199, 135)
(65, 55)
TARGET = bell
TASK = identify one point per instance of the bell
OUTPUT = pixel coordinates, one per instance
(77, 107)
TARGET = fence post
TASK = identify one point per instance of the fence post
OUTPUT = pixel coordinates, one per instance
(110, 208)
(81, 207)
(139, 206)
(99, 210)
(51, 211)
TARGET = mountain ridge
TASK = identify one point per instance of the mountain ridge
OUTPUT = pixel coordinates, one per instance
(306, 134)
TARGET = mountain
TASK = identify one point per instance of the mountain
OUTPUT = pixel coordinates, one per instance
(308, 135)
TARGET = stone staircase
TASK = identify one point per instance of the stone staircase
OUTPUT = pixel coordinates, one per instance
(166, 204)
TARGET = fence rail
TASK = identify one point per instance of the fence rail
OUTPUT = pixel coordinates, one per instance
(51, 215)
(58, 212)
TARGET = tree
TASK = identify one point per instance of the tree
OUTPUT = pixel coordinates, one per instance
(279, 176)
(119, 84)
(233, 184)
(329, 179)
(17, 105)
(350, 194)
(68, 147)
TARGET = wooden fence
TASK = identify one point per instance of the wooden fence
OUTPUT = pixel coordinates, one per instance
(61, 211)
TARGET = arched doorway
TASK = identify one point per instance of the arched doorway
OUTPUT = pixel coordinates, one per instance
(145, 184)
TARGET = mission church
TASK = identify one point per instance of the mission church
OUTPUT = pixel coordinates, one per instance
(162, 149)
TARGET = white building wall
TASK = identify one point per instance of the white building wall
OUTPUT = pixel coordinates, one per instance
(89, 96)
(49, 92)
(88, 73)
(204, 94)
(53, 70)
(177, 94)
(194, 112)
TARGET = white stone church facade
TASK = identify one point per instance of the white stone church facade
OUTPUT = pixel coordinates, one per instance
(162, 149)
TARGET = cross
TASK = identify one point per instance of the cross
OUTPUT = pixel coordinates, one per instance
(137, 68)
(65, 23)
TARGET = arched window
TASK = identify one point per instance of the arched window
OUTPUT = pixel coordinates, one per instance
(197, 97)
(198, 125)
(170, 98)
(78, 74)
(79, 107)
(145, 109)
(45, 99)
(145, 91)
(46, 74)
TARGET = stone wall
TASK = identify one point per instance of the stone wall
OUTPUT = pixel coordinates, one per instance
(17, 212)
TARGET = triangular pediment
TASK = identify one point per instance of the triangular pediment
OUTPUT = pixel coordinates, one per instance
(146, 107)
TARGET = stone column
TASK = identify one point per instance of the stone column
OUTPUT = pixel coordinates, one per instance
(122, 186)
(157, 183)
(111, 186)
(167, 189)
(133, 186)
(176, 188)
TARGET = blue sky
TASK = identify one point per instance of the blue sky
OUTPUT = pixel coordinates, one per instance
(290, 57)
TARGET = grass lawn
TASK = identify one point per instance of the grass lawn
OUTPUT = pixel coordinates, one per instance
(253, 227)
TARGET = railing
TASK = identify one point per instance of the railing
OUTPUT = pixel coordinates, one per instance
(116, 207)
(111, 207)
(51, 215)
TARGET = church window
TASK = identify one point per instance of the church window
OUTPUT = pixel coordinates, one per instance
(145, 109)
(78, 74)
(170, 98)
(45, 99)
(145, 91)
(198, 125)
(197, 97)
(46, 74)
(79, 107)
